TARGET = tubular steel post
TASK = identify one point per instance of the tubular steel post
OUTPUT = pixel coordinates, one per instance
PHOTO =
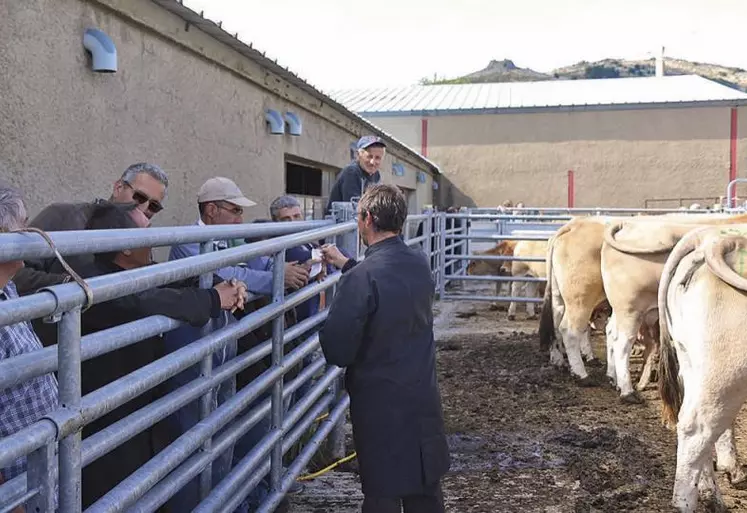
(428, 242)
(467, 248)
(40, 475)
(206, 371)
(68, 341)
(278, 329)
(442, 255)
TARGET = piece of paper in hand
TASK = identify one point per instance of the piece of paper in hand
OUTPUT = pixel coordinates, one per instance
(316, 254)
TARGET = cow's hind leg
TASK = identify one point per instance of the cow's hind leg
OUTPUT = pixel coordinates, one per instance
(624, 334)
(610, 331)
(650, 354)
(515, 286)
(530, 292)
(572, 332)
(727, 459)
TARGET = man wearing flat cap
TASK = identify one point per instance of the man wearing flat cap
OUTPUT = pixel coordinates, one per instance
(355, 178)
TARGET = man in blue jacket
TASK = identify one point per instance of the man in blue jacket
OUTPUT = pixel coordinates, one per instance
(220, 201)
(356, 177)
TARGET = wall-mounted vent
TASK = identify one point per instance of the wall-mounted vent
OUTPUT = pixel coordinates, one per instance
(398, 169)
(103, 51)
(421, 177)
(294, 123)
(276, 122)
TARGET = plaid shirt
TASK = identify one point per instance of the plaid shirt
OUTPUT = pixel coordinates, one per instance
(22, 405)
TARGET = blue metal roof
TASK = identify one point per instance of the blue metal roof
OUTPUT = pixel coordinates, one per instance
(690, 90)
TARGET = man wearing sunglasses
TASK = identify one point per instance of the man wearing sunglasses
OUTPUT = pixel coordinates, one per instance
(142, 183)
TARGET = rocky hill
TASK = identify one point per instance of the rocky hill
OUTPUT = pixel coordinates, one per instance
(507, 71)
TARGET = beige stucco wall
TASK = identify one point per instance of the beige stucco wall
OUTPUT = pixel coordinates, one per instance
(620, 158)
(179, 99)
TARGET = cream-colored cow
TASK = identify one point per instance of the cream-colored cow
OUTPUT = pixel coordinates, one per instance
(703, 369)
(632, 259)
(515, 268)
(575, 288)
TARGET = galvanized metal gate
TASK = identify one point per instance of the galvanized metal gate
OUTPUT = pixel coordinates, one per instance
(463, 236)
(53, 446)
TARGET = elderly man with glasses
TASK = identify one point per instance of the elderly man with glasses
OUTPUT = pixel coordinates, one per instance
(142, 183)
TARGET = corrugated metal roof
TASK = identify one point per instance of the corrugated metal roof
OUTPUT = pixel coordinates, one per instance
(550, 94)
(214, 30)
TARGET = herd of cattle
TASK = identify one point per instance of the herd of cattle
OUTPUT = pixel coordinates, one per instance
(673, 283)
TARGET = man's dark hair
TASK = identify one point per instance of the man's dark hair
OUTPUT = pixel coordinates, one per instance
(111, 216)
(387, 207)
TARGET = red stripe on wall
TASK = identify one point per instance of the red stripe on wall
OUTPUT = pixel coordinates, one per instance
(424, 137)
(733, 151)
(571, 189)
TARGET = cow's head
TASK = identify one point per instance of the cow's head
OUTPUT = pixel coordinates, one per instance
(493, 267)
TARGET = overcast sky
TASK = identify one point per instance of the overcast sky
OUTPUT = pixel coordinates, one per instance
(350, 44)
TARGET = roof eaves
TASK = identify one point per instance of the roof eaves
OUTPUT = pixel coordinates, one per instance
(215, 30)
(557, 108)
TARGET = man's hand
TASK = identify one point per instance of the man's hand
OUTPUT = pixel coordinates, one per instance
(232, 294)
(296, 275)
(332, 255)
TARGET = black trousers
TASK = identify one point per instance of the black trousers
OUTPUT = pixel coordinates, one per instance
(433, 502)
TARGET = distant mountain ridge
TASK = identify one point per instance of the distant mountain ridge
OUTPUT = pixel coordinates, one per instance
(506, 71)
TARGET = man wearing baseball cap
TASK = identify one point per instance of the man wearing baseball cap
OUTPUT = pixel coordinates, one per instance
(220, 201)
(353, 180)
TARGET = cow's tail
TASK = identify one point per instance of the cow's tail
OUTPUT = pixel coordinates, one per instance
(670, 385)
(612, 230)
(547, 320)
(714, 257)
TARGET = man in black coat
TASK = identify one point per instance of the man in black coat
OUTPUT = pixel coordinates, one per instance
(363, 172)
(380, 326)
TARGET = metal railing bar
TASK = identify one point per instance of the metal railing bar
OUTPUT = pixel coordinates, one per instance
(288, 441)
(237, 476)
(166, 488)
(104, 441)
(8, 508)
(497, 299)
(472, 277)
(116, 393)
(497, 237)
(305, 456)
(497, 258)
(61, 298)
(26, 441)
(18, 369)
(23, 246)
(143, 479)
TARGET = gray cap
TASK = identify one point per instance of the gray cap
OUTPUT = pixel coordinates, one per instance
(223, 189)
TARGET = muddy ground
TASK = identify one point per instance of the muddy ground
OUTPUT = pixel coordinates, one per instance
(525, 438)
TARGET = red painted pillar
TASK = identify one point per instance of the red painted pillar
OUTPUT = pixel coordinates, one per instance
(733, 153)
(424, 137)
(571, 189)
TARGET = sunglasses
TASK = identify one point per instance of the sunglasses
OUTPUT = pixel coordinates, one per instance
(140, 197)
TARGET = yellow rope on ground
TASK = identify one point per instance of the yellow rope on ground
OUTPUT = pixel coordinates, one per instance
(327, 468)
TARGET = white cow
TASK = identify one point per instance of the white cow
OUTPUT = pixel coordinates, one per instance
(703, 368)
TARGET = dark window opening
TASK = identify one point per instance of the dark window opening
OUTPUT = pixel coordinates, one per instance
(305, 180)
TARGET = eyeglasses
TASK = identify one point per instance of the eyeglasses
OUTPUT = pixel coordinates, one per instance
(234, 209)
(140, 197)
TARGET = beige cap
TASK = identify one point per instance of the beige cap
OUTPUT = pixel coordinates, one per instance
(223, 189)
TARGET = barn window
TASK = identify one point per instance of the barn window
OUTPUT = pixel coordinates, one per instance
(310, 183)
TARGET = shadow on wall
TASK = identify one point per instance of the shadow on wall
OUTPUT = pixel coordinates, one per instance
(451, 195)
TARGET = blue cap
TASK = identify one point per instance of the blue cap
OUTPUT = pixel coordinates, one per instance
(368, 140)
